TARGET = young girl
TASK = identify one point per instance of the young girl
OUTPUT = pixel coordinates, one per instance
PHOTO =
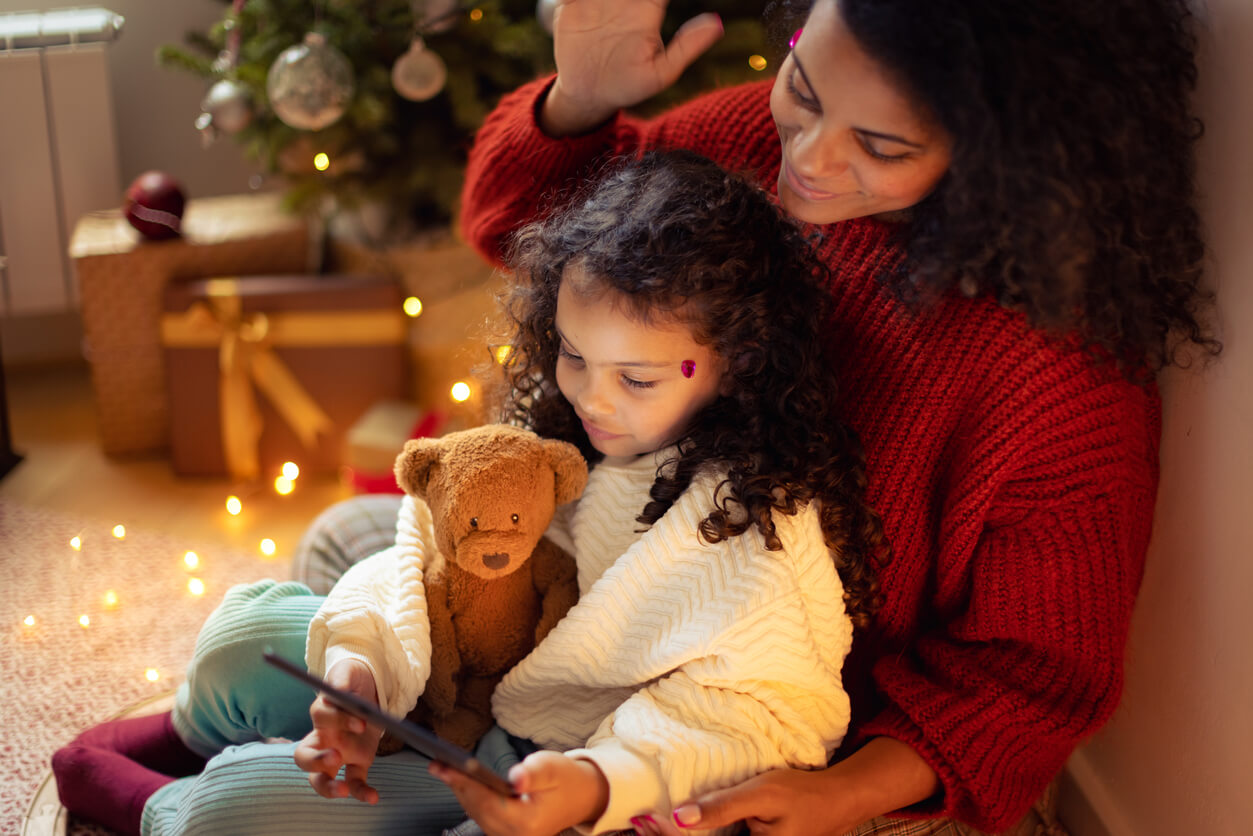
(723, 545)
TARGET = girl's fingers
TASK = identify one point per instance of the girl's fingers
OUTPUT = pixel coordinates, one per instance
(327, 714)
(326, 786)
(312, 757)
(355, 778)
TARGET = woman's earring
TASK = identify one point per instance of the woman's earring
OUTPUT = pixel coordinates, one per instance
(795, 37)
(688, 367)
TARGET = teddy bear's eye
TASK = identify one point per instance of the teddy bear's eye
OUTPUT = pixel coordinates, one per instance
(514, 518)
(474, 522)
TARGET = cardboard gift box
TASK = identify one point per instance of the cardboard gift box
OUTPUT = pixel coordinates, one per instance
(262, 370)
(121, 278)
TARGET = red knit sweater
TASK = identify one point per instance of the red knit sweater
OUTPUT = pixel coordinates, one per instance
(1016, 477)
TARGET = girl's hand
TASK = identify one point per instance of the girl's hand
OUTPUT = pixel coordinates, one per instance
(610, 55)
(340, 739)
(556, 793)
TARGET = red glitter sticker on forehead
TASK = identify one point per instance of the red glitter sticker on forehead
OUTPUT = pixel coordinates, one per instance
(688, 367)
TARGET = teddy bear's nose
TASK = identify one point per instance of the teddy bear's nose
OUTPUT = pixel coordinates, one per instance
(496, 560)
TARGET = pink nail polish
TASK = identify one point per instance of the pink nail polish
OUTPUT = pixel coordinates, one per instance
(645, 825)
(795, 37)
(686, 815)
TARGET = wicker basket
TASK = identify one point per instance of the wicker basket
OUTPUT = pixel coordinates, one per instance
(121, 279)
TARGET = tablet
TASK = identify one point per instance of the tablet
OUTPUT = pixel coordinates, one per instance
(423, 740)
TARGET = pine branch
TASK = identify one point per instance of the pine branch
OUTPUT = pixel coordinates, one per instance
(410, 155)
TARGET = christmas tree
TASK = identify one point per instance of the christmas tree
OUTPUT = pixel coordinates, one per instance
(336, 126)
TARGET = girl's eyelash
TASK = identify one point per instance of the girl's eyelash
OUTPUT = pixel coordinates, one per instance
(638, 384)
(630, 382)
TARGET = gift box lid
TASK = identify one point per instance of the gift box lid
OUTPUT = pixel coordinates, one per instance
(297, 291)
(207, 221)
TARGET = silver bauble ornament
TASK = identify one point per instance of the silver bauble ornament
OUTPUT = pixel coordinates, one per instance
(435, 15)
(310, 84)
(544, 11)
(228, 105)
(419, 74)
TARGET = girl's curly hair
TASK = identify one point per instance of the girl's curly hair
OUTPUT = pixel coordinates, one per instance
(677, 238)
(1070, 192)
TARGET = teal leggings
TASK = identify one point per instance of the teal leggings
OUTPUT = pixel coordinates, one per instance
(231, 707)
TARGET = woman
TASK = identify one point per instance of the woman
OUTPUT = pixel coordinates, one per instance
(1002, 190)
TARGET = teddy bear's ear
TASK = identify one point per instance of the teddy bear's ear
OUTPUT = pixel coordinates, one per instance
(414, 465)
(569, 468)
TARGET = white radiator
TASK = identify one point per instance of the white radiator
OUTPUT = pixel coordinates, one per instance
(58, 149)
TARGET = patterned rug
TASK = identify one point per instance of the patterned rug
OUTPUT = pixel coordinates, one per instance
(90, 632)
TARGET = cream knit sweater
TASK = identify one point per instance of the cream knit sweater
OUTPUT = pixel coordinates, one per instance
(684, 667)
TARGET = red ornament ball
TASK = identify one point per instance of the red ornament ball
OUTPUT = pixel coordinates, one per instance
(154, 205)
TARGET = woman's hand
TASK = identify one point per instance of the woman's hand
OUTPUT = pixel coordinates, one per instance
(883, 776)
(555, 792)
(610, 55)
(340, 739)
(782, 802)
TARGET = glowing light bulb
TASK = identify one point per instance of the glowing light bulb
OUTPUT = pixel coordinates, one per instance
(29, 621)
(84, 621)
(119, 531)
(110, 599)
(757, 62)
(268, 547)
(503, 353)
(476, 15)
(290, 470)
(195, 586)
(283, 485)
(460, 391)
(233, 506)
(191, 560)
(413, 306)
(321, 161)
(76, 543)
(152, 675)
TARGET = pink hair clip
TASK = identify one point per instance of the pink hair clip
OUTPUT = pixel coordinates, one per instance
(688, 367)
(795, 37)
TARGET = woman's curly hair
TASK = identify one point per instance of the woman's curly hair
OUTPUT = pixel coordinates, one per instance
(1070, 192)
(676, 238)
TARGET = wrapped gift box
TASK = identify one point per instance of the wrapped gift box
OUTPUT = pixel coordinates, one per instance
(267, 369)
(377, 438)
(121, 278)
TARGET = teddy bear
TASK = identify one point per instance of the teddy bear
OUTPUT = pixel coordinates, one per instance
(496, 586)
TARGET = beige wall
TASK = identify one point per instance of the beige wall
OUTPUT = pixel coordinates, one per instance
(1178, 756)
(154, 111)
(155, 107)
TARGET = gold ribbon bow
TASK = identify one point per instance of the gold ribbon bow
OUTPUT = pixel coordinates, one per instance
(246, 357)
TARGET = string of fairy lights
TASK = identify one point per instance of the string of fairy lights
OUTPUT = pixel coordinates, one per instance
(192, 563)
(283, 484)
